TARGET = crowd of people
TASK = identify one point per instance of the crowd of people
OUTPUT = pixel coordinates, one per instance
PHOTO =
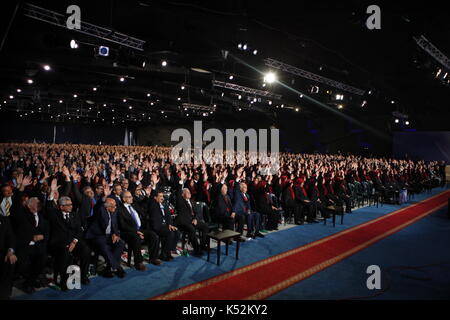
(63, 204)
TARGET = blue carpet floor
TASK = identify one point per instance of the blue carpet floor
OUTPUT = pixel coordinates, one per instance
(422, 243)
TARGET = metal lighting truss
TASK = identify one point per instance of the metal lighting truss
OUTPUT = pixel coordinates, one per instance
(59, 20)
(236, 87)
(433, 51)
(311, 76)
(198, 107)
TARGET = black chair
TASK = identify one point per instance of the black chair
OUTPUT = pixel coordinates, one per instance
(335, 210)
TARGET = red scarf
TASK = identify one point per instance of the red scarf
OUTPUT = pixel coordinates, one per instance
(292, 193)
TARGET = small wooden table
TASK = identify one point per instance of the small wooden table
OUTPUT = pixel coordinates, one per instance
(225, 236)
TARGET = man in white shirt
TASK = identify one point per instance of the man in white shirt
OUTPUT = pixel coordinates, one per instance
(133, 232)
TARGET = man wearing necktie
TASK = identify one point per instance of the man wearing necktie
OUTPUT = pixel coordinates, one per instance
(160, 221)
(224, 210)
(66, 238)
(188, 221)
(105, 235)
(242, 206)
(133, 232)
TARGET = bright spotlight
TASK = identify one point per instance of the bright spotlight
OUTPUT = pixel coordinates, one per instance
(30, 81)
(164, 63)
(297, 109)
(19, 90)
(73, 44)
(47, 67)
(244, 47)
(122, 79)
(255, 52)
(94, 89)
(397, 121)
(240, 45)
(270, 77)
(407, 123)
(231, 77)
(340, 106)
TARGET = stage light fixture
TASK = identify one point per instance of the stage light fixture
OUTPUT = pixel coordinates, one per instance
(244, 47)
(297, 109)
(182, 87)
(270, 77)
(47, 67)
(240, 46)
(340, 106)
(19, 90)
(397, 120)
(11, 97)
(75, 96)
(94, 89)
(103, 51)
(30, 81)
(164, 63)
(255, 52)
(231, 77)
(73, 44)
(239, 97)
(407, 123)
(122, 79)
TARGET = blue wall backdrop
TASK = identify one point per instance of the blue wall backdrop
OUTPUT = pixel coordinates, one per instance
(429, 146)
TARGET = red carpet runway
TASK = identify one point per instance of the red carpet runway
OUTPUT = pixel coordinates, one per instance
(269, 276)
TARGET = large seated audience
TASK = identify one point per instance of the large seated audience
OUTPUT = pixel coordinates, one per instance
(64, 204)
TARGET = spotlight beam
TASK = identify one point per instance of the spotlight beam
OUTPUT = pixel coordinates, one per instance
(311, 76)
(324, 106)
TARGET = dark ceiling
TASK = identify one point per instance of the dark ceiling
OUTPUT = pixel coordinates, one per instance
(329, 39)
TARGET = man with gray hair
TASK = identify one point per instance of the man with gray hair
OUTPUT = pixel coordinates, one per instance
(105, 235)
(31, 234)
(66, 238)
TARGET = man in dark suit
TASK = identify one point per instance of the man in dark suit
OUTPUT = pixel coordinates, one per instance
(242, 206)
(133, 232)
(66, 238)
(32, 231)
(8, 258)
(188, 221)
(86, 200)
(225, 213)
(10, 198)
(160, 221)
(105, 236)
(115, 194)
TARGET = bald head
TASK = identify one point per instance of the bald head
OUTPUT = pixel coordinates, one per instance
(110, 205)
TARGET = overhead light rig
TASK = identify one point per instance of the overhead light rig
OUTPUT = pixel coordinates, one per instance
(59, 20)
(311, 76)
